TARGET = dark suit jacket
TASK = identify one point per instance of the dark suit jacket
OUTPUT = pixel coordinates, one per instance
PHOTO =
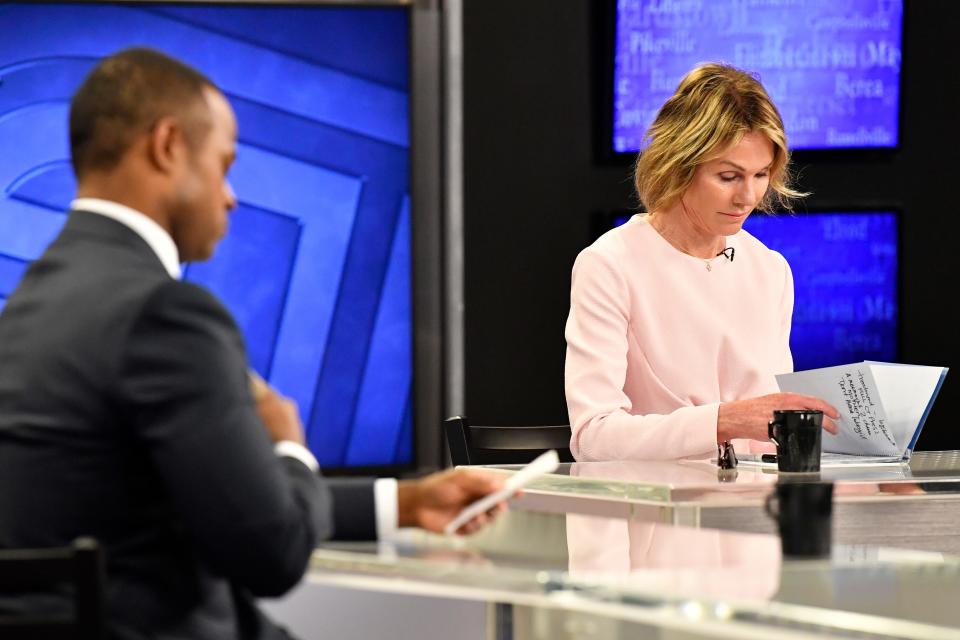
(125, 414)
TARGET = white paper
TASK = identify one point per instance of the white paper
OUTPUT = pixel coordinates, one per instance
(882, 405)
(906, 391)
(863, 425)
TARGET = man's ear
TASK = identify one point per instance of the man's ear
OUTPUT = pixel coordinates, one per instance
(165, 144)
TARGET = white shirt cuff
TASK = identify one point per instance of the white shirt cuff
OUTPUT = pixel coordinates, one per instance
(385, 503)
(292, 449)
(384, 489)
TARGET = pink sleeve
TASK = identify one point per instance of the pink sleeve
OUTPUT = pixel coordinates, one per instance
(595, 372)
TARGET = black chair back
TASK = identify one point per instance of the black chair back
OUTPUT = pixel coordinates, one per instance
(43, 573)
(503, 445)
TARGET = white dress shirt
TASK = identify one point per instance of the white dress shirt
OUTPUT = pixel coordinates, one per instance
(157, 238)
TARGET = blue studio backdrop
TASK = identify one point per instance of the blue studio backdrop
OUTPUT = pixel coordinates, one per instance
(831, 66)
(845, 274)
(316, 266)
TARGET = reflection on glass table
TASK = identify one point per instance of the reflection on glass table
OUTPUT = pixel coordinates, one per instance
(909, 506)
(703, 582)
(676, 481)
(673, 560)
(746, 575)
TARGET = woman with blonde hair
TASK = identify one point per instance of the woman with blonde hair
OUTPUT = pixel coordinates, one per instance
(679, 319)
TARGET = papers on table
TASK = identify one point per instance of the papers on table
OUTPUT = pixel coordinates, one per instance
(882, 405)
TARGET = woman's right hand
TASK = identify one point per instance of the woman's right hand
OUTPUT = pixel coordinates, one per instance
(749, 418)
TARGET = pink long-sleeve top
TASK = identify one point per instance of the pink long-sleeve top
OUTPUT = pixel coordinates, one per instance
(656, 341)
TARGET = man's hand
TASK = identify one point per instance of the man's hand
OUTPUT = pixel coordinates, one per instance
(749, 418)
(431, 502)
(278, 413)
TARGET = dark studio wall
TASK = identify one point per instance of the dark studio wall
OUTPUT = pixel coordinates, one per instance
(532, 180)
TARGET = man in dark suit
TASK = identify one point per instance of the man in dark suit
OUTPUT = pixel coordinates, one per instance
(127, 412)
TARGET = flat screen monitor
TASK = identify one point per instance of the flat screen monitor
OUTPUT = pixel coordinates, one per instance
(316, 267)
(846, 282)
(845, 275)
(831, 66)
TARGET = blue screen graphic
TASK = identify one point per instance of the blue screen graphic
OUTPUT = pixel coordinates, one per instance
(845, 274)
(832, 67)
(316, 267)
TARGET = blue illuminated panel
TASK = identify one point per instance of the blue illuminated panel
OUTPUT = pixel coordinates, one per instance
(831, 66)
(845, 282)
(316, 267)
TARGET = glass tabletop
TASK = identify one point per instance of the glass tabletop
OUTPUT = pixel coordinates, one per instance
(722, 578)
(700, 482)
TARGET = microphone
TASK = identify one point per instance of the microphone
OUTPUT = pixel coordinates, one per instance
(727, 253)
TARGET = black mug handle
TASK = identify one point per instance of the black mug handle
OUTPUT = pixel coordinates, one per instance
(770, 433)
(768, 506)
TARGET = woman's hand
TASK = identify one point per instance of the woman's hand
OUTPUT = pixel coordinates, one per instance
(749, 418)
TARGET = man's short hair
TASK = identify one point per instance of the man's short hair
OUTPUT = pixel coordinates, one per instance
(124, 96)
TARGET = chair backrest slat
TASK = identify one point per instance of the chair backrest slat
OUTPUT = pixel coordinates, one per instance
(32, 572)
(503, 445)
(34, 569)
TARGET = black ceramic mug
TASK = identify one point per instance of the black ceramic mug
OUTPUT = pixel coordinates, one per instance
(797, 434)
(804, 515)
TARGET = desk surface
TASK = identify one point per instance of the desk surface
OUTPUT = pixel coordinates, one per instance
(929, 475)
(733, 584)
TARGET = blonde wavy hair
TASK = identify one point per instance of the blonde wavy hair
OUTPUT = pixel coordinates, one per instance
(714, 106)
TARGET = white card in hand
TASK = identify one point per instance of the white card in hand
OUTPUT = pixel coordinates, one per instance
(545, 463)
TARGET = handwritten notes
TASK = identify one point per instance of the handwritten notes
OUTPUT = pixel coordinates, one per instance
(864, 427)
(882, 407)
(865, 413)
